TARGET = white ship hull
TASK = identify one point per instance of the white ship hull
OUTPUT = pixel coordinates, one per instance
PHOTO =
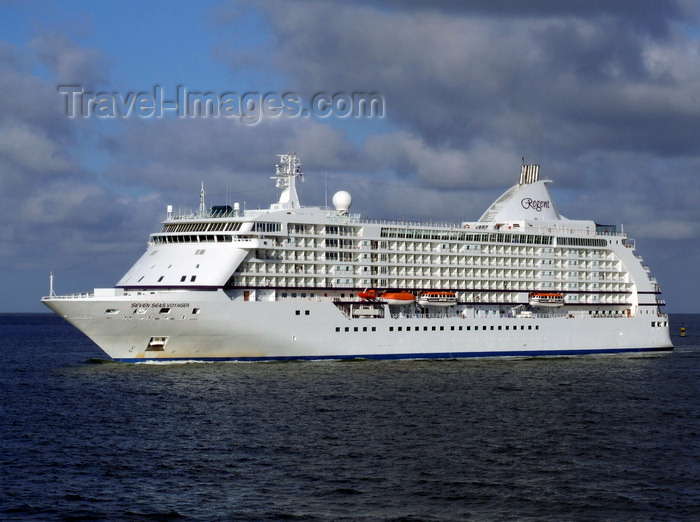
(286, 283)
(242, 330)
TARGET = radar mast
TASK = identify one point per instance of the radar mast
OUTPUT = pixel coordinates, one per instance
(287, 172)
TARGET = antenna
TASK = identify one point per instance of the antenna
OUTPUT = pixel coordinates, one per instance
(202, 206)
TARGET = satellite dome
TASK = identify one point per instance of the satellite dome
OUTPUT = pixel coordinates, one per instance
(342, 201)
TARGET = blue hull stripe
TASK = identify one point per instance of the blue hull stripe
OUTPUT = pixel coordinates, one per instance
(439, 355)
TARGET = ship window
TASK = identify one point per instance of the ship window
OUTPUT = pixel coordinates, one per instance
(537, 327)
(140, 278)
(160, 278)
(306, 312)
(337, 328)
(347, 328)
(374, 328)
(442, 328)
(364, 328)
(433, 328)
(182, 279)
(195, 311)
(425, 328)
(452, 328)
(529, 327)
(469, 328)
(356, 329)
(460, 328)
(193, 278)
(491, 327)
(399, 328)
(164, 311)
(499, 327)
(391, 328)
(115, 311)
(297, 312)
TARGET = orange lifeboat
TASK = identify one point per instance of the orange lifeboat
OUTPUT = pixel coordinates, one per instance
(367, 295)
(398, 298)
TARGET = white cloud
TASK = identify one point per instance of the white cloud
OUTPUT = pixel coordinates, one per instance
(70, 63)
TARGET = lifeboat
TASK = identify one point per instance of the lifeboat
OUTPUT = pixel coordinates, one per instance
(398, 298)
(437, 299)
(546, 299)
(367, 295)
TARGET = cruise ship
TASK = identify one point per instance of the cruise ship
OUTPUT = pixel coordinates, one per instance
(294, 282)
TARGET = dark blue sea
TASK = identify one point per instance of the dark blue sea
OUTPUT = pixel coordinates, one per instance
(567, 438)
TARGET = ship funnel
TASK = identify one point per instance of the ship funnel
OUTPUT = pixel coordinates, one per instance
(529, 174)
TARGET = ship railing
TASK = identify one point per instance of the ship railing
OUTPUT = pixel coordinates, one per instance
(333, 217)
(81, 295)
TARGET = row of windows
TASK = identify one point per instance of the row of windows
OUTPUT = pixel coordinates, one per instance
(182, 279)
(195, 238)
(453, 328)
(459, 235)
(263, 226)
(205, 226)
(331, 230)
(387, 232)
(581, 241)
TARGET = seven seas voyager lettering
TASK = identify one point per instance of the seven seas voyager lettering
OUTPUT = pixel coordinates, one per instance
(534, 204)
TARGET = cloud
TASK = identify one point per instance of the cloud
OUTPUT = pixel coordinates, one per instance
(185, 151)
(30, 150)
(603, 95)
(482, 165)
(530, 76)
(70, 63)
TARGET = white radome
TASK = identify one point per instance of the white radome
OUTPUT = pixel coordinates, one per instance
(342, 201)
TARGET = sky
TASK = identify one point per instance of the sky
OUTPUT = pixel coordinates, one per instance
(94, 142)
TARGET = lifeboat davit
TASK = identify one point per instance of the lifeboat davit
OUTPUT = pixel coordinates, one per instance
(437, 299)
(546, 299)
(398, 298)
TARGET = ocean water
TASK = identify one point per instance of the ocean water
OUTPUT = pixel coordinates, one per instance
(568, 438)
